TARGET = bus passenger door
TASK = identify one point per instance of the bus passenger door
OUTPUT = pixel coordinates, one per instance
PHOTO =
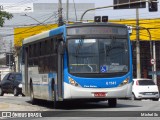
(60, 72)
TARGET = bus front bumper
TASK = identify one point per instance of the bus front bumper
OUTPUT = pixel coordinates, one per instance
(72, 92)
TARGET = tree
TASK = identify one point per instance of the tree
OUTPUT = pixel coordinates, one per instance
(3, 16)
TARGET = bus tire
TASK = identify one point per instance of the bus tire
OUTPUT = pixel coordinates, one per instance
(1, 92)
(32, 99)
(155, 99)
(56, 103)
(112, 102)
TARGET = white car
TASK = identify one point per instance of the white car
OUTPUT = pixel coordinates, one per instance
(145, 89)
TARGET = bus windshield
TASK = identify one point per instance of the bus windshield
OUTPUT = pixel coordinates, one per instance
(98, 55)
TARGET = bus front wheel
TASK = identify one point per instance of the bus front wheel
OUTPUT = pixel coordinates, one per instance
(112, 102)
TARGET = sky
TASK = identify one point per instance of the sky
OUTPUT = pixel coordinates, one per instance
(113, 14)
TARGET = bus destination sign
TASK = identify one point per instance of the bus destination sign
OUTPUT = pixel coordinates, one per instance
(97, 31)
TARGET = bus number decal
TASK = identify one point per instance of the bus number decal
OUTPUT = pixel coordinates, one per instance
(111, 83)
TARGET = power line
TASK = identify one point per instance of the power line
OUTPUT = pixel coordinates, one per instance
(53, 15)
(22, 32)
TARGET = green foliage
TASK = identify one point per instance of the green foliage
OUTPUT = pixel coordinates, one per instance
(3, 16)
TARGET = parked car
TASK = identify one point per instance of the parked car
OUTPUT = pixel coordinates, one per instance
(11, 83)
(145, 89)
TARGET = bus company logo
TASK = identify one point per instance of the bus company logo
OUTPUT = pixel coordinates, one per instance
(6, 114)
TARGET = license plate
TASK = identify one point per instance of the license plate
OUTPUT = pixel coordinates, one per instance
(99, 94)
(148, 93)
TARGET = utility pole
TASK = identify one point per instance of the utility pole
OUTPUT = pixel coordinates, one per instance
(10, 67)
(67, 11)
(154, 65)
(60, 18)
(138, 45)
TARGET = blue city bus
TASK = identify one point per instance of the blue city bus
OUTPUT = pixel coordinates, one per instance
(81, 61)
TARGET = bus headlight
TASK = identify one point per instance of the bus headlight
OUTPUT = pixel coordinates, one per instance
(73, 82)
(126, 81)
(20, 85)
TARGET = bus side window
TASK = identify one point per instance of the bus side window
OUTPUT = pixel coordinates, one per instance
(23, 54)
(40, 65)
(55, 46)
(34, 50)
(49, 46)
(40, 49)
(37, 50)
(29, 51)
(45, 47)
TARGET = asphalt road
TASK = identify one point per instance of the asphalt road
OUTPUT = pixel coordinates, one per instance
(125, 108)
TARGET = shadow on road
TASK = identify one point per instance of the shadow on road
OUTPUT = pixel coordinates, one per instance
(78, 105)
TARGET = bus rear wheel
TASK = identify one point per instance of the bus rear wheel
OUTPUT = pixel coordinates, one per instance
(112, 102)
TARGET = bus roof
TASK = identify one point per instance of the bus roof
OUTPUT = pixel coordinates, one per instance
(45, 34)
(95, 24)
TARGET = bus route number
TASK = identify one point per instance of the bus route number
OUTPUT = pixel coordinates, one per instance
(111, 83)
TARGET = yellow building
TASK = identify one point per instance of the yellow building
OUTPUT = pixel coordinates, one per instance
(153, 25)
(24, 32)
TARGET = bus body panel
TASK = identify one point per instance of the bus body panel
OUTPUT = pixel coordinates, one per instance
(72, 92)
(98, 82)
(42, 85)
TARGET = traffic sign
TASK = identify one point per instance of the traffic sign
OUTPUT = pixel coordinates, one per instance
(141, 4)
(9, 59)
(153, 61)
